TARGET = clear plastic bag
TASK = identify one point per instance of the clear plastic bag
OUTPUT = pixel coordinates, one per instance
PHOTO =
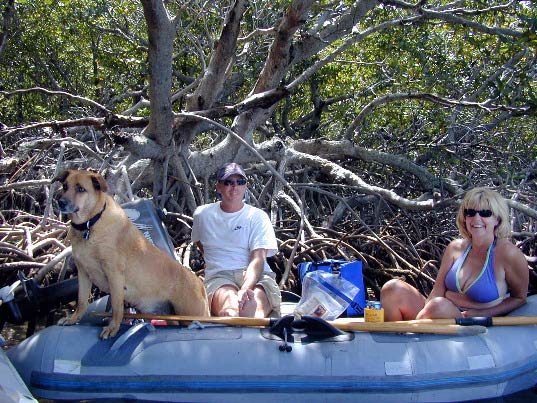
(325, 295)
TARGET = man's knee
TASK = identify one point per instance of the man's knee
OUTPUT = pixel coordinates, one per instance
(224, 297)
(268, 302)
(262, 300)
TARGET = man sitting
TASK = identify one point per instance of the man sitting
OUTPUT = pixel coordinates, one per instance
(235, 239)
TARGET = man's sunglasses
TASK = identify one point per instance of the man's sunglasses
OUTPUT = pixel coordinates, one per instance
(238, 182)
(470, 212)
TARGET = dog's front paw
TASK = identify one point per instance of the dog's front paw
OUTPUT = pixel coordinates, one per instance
(68, 320)
(110, 330)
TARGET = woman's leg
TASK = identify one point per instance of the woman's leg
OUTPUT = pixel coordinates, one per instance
(400, 301)
(439, 308)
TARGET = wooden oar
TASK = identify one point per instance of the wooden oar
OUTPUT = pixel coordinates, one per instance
(356, 326)
(472, 321)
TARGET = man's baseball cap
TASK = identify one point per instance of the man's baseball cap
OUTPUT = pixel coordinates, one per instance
(231, 168)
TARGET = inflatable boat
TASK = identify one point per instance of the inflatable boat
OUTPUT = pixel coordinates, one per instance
(285, 360)
(313, 363)
(12, 388)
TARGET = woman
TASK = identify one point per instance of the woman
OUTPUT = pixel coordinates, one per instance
(482, 274)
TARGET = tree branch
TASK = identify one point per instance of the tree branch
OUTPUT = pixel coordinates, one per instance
(67, 95)
(109, 122)
(486, 106)
(214, 76)
(343, 176)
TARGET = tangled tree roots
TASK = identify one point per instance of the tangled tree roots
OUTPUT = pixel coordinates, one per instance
(38, 247)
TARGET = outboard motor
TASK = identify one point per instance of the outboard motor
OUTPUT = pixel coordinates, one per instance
(25, 300)
(7, 303)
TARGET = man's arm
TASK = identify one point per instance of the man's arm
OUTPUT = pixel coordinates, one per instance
(254, 269)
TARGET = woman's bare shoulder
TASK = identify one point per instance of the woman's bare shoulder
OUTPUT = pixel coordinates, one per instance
(506, 248)
(454, 249)
(457, 245)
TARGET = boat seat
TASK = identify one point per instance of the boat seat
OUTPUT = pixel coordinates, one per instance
(288, 296)
(289, 301)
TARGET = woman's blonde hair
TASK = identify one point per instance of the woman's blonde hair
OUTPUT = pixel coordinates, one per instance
(485, 199)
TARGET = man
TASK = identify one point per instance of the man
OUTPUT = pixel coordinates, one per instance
(235, 240)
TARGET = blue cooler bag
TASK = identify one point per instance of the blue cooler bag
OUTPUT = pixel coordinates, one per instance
(351, 271)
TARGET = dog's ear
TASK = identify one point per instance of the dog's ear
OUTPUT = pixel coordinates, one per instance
(99, 183)
(61, 177)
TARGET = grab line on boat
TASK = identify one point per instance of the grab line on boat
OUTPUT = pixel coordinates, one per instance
(178, 383)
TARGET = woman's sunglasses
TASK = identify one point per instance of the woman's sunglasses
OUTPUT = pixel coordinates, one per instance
(470, 212)
(238, 182)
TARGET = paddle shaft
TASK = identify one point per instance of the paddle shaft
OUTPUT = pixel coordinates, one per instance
(223, 320)
(473, 321)
(383, 327)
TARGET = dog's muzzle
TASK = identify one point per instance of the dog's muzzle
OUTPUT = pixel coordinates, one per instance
(66, 206)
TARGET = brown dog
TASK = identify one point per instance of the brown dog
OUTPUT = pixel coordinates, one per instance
(113, 254)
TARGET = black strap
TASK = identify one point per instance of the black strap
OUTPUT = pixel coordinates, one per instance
(333, 264)
(479, 320)
(88, 224)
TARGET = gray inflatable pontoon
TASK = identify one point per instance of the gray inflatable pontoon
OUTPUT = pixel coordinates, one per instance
(215, 363)
(12, 388)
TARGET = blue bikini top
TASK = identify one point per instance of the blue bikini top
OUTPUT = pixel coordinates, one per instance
(484, 287)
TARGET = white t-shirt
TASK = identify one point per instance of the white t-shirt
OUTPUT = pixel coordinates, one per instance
(228, 238)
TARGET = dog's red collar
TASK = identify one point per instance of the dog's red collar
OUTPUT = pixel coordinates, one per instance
(88, 224)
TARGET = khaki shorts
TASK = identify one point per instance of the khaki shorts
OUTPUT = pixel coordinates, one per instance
(236, 278)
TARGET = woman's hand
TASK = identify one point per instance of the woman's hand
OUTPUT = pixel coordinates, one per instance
(461, 300)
